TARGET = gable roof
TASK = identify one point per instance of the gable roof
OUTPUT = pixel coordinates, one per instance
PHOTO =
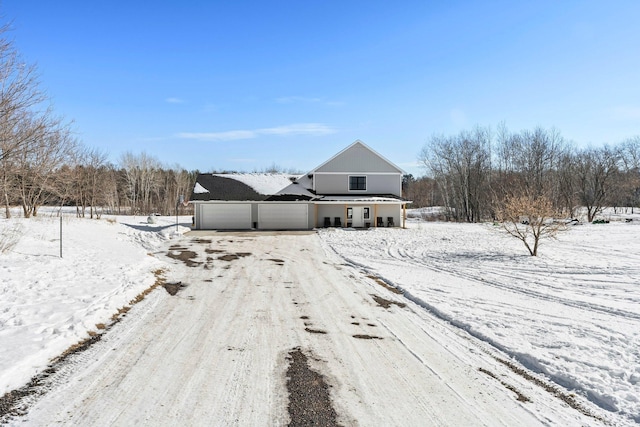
(238, 187)
(300, 189)
(357, 158)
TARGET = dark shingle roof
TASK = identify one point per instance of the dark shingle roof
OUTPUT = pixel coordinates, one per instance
(221, 188)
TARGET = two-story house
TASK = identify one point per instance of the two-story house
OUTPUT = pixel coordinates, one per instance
(355, 188)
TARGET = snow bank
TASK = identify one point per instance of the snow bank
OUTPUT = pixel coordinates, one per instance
(48, 303)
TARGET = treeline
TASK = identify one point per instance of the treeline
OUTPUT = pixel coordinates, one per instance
(42, 163)
(139, 185)
(472, 174)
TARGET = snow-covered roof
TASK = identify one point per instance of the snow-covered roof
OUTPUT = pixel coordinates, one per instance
(239, 186)
(199, 189)
(262, 183)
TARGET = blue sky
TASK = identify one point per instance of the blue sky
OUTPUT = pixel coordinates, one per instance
(243, 85)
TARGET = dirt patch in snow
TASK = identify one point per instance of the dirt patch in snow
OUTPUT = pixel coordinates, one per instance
(385, 285)
(203, 241)
(213, 251)
(366, 337)
(521, 397)
(385, 303)
(183, 255)
(309, 400)
(173, 288)
(567, 398)
(233, 257)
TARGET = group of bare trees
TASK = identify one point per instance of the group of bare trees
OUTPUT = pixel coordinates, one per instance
(526, 181)
(473, 174)
(33, 141)
(149, 187)
(138, 185)
(41, 162)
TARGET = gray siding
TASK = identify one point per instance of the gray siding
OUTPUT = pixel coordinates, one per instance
(394, 211)
(331, 211)
(339, 210)
(376, 184)
(358, 159)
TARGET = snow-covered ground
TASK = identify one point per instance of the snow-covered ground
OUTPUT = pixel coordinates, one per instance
(48, 303)
(572, 313)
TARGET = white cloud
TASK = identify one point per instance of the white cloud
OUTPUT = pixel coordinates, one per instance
(313, 129)
(292, 99)
(298, 129)
(218, 136)
(174, 100)
(307, 100)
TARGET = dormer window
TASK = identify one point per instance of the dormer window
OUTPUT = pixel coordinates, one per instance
(357, 183)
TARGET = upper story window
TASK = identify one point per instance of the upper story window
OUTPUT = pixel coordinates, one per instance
(357, 183)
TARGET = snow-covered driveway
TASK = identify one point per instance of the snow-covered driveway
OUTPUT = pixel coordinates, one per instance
(216, 352)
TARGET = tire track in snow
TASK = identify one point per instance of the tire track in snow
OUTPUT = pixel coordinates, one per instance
(434, 263)
(180, 363)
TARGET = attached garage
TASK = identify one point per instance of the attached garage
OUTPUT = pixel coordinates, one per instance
(225, 216)
(283, 216)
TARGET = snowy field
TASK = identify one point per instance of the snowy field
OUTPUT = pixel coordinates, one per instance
(48, 303)
(572, 313)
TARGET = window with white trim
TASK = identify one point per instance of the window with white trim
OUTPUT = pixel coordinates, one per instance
(357, 183)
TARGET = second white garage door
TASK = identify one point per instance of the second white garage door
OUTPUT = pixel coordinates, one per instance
(283, 216)
(225, 216)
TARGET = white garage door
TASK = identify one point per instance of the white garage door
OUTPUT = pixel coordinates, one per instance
(225, 216)
(283, 216)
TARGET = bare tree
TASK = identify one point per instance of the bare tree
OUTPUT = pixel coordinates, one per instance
(20, 128)
(87, 180)
(19, 94)
(630, 165)
(421, 191)
(596, 170)
(128, 163)
(529, 219)
(532, 162)
(461, 166)
(143, 179)
(37, 164)
(565, 189)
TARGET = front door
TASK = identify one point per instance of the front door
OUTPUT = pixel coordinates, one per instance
(357, 220)
(359, 216)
